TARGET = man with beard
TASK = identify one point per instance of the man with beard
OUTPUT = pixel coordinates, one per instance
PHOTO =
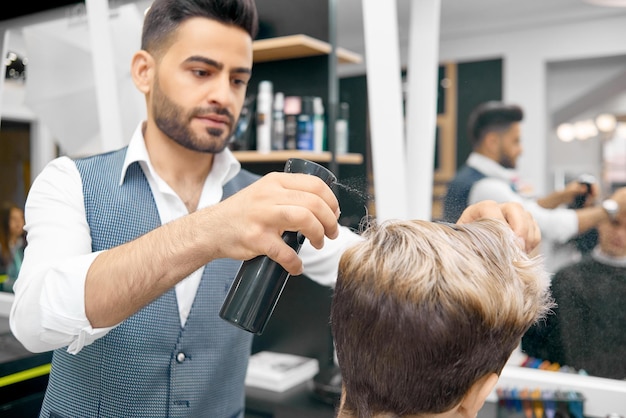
(489, 174)
(132, 252)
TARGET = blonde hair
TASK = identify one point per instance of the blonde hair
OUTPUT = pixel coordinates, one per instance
(422, 310)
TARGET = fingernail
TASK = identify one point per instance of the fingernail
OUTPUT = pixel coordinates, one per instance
(338, 213)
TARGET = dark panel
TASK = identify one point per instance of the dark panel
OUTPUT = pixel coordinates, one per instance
(28, 406)
(23, 8)
(294, 77)
(437, 147)
(300, 322)
(354, 198)
(478, 81)
(288, 17)
(441, 91)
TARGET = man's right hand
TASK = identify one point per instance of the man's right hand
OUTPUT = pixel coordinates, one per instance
(252, 221)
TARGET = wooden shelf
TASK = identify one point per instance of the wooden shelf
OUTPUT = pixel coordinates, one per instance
(298, 46)
(282, 156)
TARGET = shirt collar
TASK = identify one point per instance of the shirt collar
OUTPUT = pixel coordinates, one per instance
(491, 168)
(604, 258)
(225, 165)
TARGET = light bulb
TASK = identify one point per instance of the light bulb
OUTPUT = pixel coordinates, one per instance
(606, 122)
(565, 132)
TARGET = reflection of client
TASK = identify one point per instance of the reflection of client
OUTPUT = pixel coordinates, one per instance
(425, 315)
(589, 329)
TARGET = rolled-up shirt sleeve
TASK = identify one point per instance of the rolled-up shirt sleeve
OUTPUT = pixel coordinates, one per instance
(49, 307)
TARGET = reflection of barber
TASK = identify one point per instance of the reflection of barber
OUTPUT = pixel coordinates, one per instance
(589, 329)
(425, 316)
(488, 174)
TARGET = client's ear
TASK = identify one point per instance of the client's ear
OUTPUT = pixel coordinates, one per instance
(475, 397)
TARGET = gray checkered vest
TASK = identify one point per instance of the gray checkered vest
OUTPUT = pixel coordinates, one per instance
(150, 366)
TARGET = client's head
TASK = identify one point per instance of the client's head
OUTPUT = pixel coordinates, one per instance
(425, 316)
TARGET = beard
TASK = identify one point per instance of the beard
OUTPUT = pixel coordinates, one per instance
(174, 122)
(506, 162)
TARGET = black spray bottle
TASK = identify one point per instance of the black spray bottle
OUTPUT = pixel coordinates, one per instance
(260, 280)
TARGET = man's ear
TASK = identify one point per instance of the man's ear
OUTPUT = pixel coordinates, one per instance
(142, 70)
(475, 397)
(491, 141)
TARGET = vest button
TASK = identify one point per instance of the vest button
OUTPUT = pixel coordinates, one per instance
(180, 357)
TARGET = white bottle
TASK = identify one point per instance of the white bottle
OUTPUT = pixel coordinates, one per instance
(318, 124)
(342, 129)
(278, 122)
(264, 117)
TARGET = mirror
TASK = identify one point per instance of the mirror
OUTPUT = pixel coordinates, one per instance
(561, 60)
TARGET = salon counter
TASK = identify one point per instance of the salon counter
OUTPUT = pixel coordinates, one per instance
(23, 376)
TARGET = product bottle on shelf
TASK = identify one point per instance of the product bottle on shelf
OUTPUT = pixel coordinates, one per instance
(264, 117)
(278, 122)
(304, 141)
(342, 129)
(293, 105)
(319, 128)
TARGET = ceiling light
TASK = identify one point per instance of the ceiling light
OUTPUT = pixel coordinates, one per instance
(585, 129)
(565, 132)
(606, 122)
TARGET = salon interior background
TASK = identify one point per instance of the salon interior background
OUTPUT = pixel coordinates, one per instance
(564, 61)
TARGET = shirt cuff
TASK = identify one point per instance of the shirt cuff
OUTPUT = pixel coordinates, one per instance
(64, 320)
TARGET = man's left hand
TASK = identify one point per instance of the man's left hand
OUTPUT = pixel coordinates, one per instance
(514, 214)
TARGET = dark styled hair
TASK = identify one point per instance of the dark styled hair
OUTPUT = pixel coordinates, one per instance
(422, 310)
(491, 116)
(164, 17)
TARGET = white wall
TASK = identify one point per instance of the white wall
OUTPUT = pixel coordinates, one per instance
(580, 90)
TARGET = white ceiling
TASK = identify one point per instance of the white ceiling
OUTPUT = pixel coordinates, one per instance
(461, 18)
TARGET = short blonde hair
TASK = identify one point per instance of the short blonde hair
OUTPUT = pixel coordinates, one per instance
(422, 310)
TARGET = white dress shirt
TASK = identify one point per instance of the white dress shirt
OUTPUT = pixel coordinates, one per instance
(49, 293)
(556, 225)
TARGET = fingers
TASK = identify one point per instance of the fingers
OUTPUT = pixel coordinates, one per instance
(484, 209)
(523, 224)
(309, 206)
(284, 255)
(253, 220)
(519, 219)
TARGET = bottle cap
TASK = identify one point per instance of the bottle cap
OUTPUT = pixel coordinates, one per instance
(344, 111)
(279, 101)
(318, 106)
(307, 105)
(265, 86)
(293, 104)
